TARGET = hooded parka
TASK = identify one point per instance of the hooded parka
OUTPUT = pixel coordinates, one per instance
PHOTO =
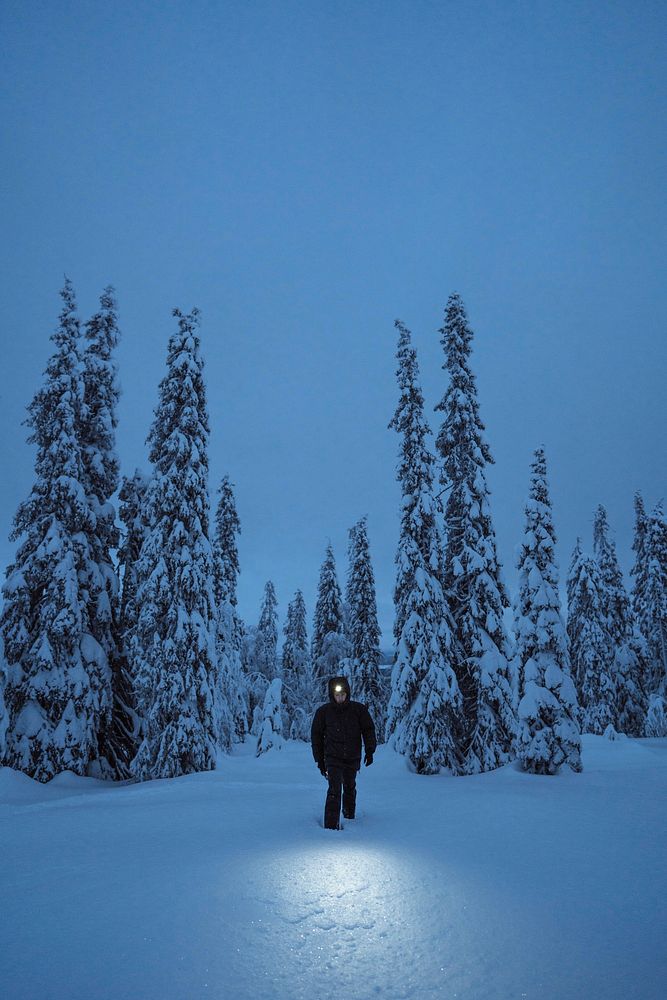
(338, 730)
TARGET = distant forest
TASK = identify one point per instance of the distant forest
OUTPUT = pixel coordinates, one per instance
(125, 656)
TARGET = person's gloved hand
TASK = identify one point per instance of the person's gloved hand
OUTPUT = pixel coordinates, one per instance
(323, 770)
(368, 759)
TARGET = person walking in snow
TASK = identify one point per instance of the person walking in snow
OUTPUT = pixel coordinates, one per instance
(339, 726)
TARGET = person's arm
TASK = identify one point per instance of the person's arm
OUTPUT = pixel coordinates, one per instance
(368, 734)
(317, 737)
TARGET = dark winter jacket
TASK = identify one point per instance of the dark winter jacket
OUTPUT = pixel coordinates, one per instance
(338, 730)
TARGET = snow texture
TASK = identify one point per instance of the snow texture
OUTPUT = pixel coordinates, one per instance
(224, 885)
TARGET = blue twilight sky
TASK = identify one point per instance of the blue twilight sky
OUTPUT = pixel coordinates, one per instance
(306, 172)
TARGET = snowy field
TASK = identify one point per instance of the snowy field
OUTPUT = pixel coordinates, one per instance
(225, 885)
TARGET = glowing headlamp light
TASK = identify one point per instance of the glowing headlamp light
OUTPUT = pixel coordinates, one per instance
(338, 688)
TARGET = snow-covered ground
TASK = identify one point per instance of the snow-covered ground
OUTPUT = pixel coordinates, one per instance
(225, 885)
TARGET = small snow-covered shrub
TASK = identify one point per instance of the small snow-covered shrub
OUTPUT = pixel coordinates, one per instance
(271, 734)
(611, 734)
(656, 718)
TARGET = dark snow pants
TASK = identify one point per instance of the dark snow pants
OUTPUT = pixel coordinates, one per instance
(342, 778)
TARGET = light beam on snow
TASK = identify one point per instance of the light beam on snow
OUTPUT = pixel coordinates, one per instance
(340, 907)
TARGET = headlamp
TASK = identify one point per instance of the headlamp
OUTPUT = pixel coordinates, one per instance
(338, 688)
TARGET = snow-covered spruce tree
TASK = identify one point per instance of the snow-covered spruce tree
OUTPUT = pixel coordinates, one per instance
(424, 720)
(639, 549)
(98, 441)
(4, 720)
(616, 603)
(651, 599)
(656, 711)
(58, 690)
(173, 645)
(348, 668)
(631, 677)
(230, 633)
(472, 573)
(271, 732)
(260, 656)
(132, 496)
(627, 650)
(572, 583)
(548, 731)
(655, 725)
(414, 471)
(329, 647)
(266, 642)
(363, 631)
(227, 527)
(255, 682)
(657, 590)
(297, 673)
(591, 651)
(132, 510)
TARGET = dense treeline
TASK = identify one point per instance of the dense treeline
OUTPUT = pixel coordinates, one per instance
(125, 655)
(466, 697)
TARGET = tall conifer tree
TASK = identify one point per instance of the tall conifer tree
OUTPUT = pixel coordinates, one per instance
(266, 643)
(132, 510)
(591, 653)
(424, 714)
(298, 695)
(173, 646)
(261, 655)
(363, 631)
(472, 573)
(133, 514)
(101, 465)
(58, 689)
(651, 598)
(4, 720)
(548, 733)
(227, 527)
(616, 602)
(628, 662)
(226, 570)
(329, 647)
(255, 681)
(639, 549)
(652, 604)
(571, 575)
